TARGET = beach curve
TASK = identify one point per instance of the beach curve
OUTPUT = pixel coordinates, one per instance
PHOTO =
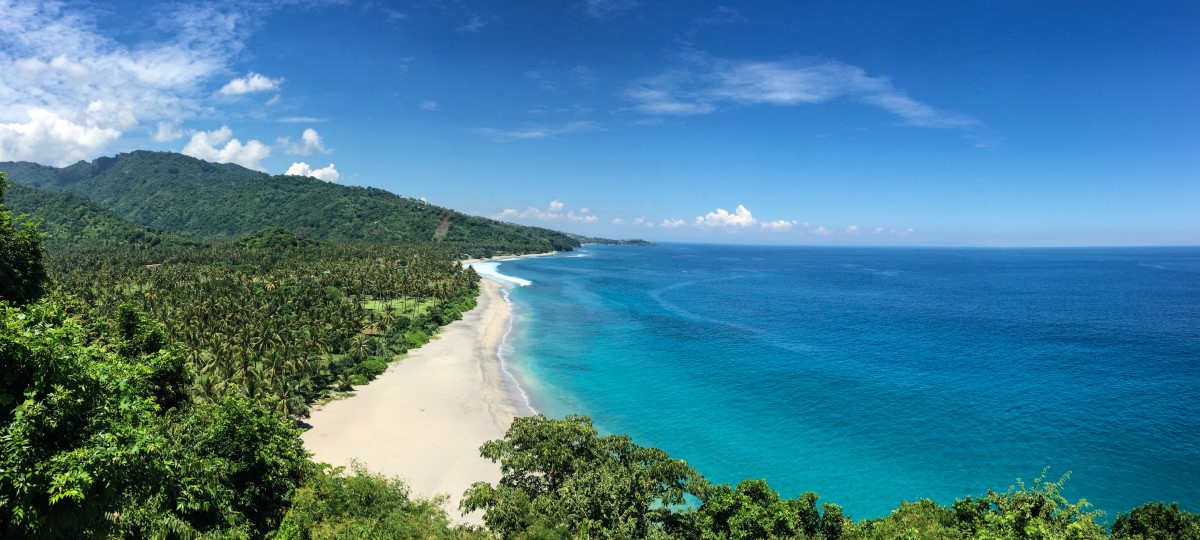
(425, 418)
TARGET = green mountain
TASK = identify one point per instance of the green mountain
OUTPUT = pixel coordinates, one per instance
(183, 195)
(70, 220)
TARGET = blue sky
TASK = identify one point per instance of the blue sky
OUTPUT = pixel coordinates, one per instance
(883, 123)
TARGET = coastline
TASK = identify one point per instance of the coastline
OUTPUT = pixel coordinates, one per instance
(424, 419)
(498, 258)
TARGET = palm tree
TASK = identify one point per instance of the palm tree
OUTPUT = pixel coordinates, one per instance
(360, 347)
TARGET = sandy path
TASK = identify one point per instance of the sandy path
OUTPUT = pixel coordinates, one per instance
(425, 418)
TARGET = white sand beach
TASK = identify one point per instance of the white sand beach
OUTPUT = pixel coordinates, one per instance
(426, 417)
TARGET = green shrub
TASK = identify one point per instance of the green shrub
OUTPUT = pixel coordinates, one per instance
(364, 505)
(415, 339)
(372, 367)
(1157, 521)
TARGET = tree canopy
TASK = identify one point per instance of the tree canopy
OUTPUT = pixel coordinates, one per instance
(22, 274)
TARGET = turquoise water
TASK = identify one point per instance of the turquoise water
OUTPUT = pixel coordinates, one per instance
(878, 375)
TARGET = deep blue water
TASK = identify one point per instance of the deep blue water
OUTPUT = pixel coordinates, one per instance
(878, 375)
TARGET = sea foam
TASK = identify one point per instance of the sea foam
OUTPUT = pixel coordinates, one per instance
(491, 269)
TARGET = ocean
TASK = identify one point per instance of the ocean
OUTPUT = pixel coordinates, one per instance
(876, 375)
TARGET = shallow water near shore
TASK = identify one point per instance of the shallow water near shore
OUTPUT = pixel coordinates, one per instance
(874, 375)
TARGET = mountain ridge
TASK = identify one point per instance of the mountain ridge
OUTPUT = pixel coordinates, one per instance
(178, 194)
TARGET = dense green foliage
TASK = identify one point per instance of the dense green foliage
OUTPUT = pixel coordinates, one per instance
(96, 440)
(364, 505)
(103, 434)
(184, 195)
(281, 326)
(22, 276)
(274, 239)
(1157, 521)
(562, 480)
(74, 221)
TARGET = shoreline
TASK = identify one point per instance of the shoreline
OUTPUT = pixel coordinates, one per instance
(424, 419)
(499, 258)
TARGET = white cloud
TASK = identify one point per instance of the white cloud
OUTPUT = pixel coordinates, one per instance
(328, 174)
(310, 143)
(68, 92)
(853, 229)
(741, 218)
(779, 225)
(429, 105)
(300, 120)
(167, 132)
(664, 95)
(581, 217)
(668, 223)
(710, 83)
(537, 132)
(877, 230)
(553, 211)
(821, 230)
(220, 146)
(603, 9)
(251, 83)
(618, 221)
(48, 137)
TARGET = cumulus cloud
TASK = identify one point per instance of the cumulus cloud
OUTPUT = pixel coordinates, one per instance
(220, 146)
(618, 221)
(668, 223)
(310, 143)
(852, 229)
(779, 225)
(705, 86)
(584, 215)
(328, 174)
(69, 92)
(821, 230)
(554, 211)
(48, 137)
(740, 218)
(167, 132)
(251, 83)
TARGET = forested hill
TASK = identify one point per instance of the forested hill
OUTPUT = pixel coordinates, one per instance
(70, 220)
(179, 194)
